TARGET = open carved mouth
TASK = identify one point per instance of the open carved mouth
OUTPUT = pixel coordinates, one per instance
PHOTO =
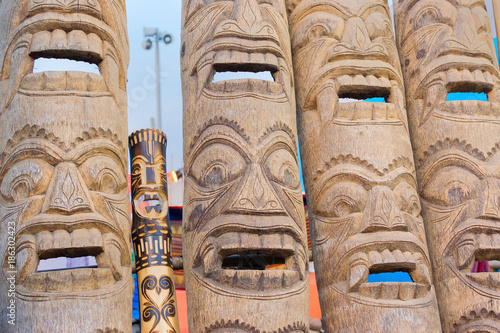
(46, 245)
(92, 45)
(386, 258)
(241, 260)
(434, 95)
(260, 59)
(476, 246)
(354, 96)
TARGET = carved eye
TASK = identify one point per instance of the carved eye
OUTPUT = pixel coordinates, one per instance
(379, 25)
(481, 19)
(408, 199)
(216, 165)
(451, 186)
(102, 174)
(25, 179)
(426, 17)
(282, 167)
(317, 31)
(315, 26)
(341, 200)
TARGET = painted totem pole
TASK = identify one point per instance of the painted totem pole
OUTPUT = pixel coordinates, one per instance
(242, 189)
(358, 169)
(446, 47)
(63, 166)
(151, 233)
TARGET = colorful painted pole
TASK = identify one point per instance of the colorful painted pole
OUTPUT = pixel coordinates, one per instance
(151, 233)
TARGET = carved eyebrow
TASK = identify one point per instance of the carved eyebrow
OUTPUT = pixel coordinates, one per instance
(454, 159)
(88, 149)
(323, 6)
(369, 180)
(366, 8)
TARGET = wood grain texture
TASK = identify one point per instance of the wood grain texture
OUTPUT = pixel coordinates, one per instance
(63, 165)
(358, 169)
(242, 197)
(447, 47)
(151, 232)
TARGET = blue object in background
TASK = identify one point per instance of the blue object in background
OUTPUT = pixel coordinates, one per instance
(390, 277)
(467, 96)
(135, 300)
(375, 100)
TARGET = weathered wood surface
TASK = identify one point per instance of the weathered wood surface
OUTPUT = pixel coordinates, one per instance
(358, 169)
(63, 165)
(447, 47)
(242, 186)
(151, 232)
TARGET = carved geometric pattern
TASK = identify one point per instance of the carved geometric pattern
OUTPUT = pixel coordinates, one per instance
(457, 144)
(244, 328)
(36, 132)
(349, 159)
(220, 121)
(476, 317)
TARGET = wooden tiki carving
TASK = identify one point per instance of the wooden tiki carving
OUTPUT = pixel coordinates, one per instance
(151, 233)
(63, 166)
(447, 47)
(242, 189)
(358, 169)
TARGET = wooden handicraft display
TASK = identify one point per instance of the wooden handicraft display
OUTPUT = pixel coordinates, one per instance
(63, 166)
(151, 232)
(358, 169)
(243, 207)
(446, 47)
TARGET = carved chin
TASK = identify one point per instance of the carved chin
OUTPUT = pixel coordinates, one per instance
(472, 245)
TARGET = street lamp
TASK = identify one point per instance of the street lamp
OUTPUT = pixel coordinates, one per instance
(153, 35)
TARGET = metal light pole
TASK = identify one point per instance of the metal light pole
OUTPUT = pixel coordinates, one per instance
(153, 34)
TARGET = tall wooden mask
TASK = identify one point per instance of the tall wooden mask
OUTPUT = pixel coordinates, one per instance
(358, 168)
(63, 164)
(446, 47)
(242, 189)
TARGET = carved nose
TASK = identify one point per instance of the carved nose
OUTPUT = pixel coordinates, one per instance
(246, 21)
(66, 193)
(356, 35)
(465, 28)
(490, 199)
(256, 196)
(382, 212)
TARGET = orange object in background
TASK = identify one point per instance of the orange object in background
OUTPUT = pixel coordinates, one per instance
(314, 310)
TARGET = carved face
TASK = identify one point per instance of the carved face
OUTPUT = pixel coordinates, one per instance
(447, 47)
(239, 35)
(346, 49)
(63, 165)
(150, 183)
(242, 196)
(92, 30)
(460, 188)
(362, 195)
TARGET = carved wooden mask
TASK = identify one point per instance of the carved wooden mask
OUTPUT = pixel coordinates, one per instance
(447, 47)
(358, 168)
(242, 188)
(63, 164)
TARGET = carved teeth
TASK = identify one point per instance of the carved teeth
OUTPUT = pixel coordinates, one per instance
(359, 271)
(433, 97)
(70, 280)
(111, 72)
(20, 64)
(327, 102)
(210, 261)
(58, 43)
(488, 280)
(26, 257)
(62, 239)
(111, 257)
(465, 252)
(404, 291)
(64, 81)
